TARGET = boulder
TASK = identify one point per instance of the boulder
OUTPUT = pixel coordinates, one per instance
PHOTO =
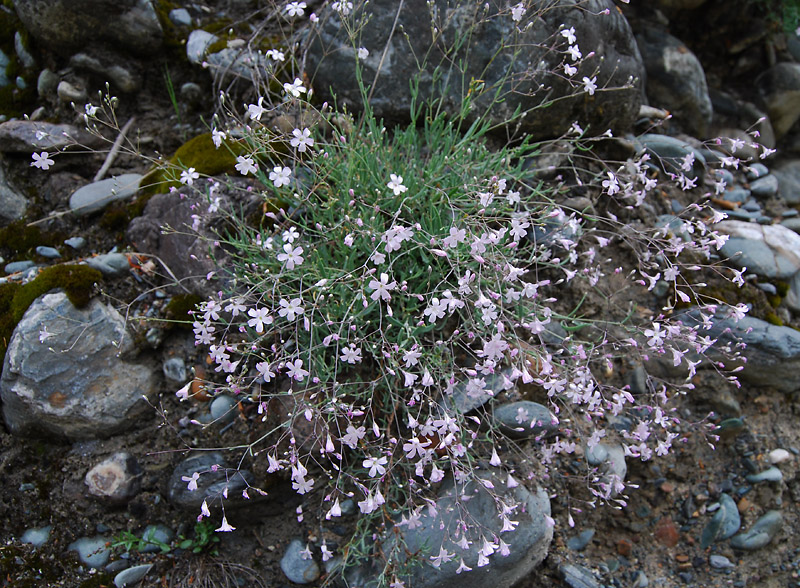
(522, 61)
(64, 25)
(12, 203)
(27, 136)
(77, 379)
(771, 251)
(779, 87)
(675, 80)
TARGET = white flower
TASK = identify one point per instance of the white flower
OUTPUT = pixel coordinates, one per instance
(246, 165)
(294, 369)
(292, 256)
(342, 7)
(295, 8)
(188, 176)
(292, 309)
(280, 176)
(517, 12)
(217, 137)
(382, 288)
(295, 88)
(363, 53)
(569, 35)
(590, 85)
(351, 354)
(290, 234)
(225, 527)
(276, 55)
(260, 317)
(570, 70)
(42, 161)
(301, 140)
(192, 481)
(254, 111)
(375, 466)
(574, 52)
(396, 184)
(91, 110)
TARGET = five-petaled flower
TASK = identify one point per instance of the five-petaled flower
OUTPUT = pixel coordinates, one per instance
(260, 317)
(42, 161)
(192, 481)
(375, 466)
(295, 88)
(225, 527)
(396, 184)
(351, 354)
(590, 85)
(280, 176)
(246, 165)
(302, 140)
(188, 176)
(294, 369)
(291, 309)
(382, 288)
(292, 256)
(295, 8)
(254, 111)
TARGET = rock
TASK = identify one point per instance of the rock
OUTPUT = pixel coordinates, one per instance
(36, 537)
(79, 383)
(761, 533)
(63, 25)
(577, 576)
(298, 569)
(670, 152)
(197, 44)
(737, 195)
(27, 136)
(581, 540)
(75, 243)
(120, 78)
(116, 478)
(111, 265)
(610, 459)
(765, 187)
(70, 93)
(18, 266)
(779, 87)
(223, 409)
(175, 370)
(213, 480)
(756, 170)
(12, 204)
(675, 80)
(723, 525)
(97, 195)
(777, 456)
(180, 17)
(528, 543)
(241, 62)
(615, 64)
(525, 419)
(772, 474)
(183, 251)
(155, 536)
(788, 174)
(720, 562)
(48, 252)
(131, 576)
(46, 83)
(92, 551)
(772, 251)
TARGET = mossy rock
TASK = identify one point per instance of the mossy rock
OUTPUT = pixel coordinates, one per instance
(77, 281)
(179, 308)
(15, 101)
(19, 240)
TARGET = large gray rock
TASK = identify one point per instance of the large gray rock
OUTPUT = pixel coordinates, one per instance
(528, 543)
(772, 352)
(788, 174)
(63, 25)
(78, 381)
(27, 136)
(779, 87)
(772, 251)
(97, 195)
(12, 203)
(552, 101)
(675, 80)
(214, 478)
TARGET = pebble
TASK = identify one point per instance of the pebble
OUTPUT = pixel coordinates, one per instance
(48, 252)
(70, 93)
(18, 266)
(197, 44)
(46, 83)
(640, 580)
(581, 540)
(752, 206)
(132, 575)
(720, 562)
(97, 195)
(76, 242)
(120, 78)
(757, 170)
(739, 195)
(611, 460)
(772, 474)
(175, 370)
(180, 17)
(297, 569)
(761, 533)
(777, 456)
(155, 535)
(116, 478)
(577, 576)
(724, 524)
(767, 287)
(110, 264)
(92, 551)
(765, 187)
(223, 409)
(37, 536)
(525, 419)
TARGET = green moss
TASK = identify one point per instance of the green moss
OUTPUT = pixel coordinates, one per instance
(77, 281)
(19, 241)
(773, 319)
(782, 288)
(179, 307)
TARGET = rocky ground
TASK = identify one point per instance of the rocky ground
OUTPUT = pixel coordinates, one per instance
(669, 534)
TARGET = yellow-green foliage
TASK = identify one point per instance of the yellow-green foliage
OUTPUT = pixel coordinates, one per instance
(179, 307)
(76, 281)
